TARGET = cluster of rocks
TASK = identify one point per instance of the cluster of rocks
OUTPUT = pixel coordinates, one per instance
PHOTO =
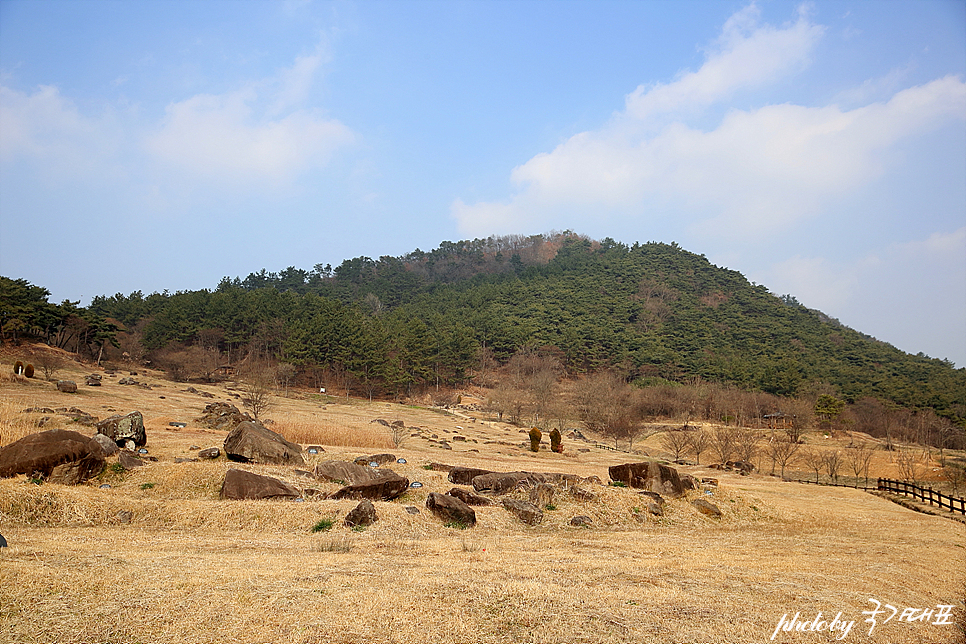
(203, 394)
(742, 467)
(76, 415)
(222, 416)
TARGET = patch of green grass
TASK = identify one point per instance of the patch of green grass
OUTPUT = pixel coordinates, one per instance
(147, 486)
(323, 525)
(550, 506)
(617, 484)
(457, 525)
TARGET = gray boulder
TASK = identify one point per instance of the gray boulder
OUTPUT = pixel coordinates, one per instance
(502, 482)
(343, 472)
(108, 446)
(251, 442)
(126, 431)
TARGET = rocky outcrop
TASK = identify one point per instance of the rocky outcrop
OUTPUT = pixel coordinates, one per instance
(385, 487)
(651, 476)
(451, 509)
(240, 484)
(126, 431)
(77, 456)
(251, 442)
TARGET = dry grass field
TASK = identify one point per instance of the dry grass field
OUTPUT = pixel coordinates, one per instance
(158, 557)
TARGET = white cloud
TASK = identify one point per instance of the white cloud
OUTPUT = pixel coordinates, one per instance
(746, 55)
(220, 138)
(46, 127)
(757, 172)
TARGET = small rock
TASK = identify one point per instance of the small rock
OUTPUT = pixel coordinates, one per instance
(450, 509)
(129, 461)
(3, 542)
(523, 510)
(124, 516)
(581, 520)
(67, 386)
(468, 497)
(412, 510)
(707, 507)
(210, 453)
(362, 515)
(194, 448)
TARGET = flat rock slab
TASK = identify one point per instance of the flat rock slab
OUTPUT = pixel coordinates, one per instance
(465, 475)
(240, 484)
(343, 472)
(523, 510)
(379, 459)
(386, 487)
(469, 498)
(707, 507)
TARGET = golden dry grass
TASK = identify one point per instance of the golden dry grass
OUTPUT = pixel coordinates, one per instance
(158, 557)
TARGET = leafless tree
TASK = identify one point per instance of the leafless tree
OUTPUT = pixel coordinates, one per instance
(746, 445)
(955, 475)
(859, 457)
(606, 404)
(676, 442)
(782, 452)
(699, 442)
(908, 465)
(49, 363)
(723, 442)
(832, 460)
(813, 459)
(256, 389)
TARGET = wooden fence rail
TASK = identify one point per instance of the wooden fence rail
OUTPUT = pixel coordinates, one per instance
(924, 494)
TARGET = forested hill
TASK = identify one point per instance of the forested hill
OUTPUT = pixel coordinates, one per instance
(652, 311)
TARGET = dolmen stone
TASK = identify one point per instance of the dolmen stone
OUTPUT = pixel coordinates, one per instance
(381, 459)
(362, 516)
(60, 455)
(252, 442)
(707, 507)
(67, 386)
(499, 483)
(240, 484)
(523, 510)
(651, 476)
(465, 475)
(343, 472)
(468, 497)
(451, 509)
(126, 431)
(211, 453)
(384, 487)
(581, 520)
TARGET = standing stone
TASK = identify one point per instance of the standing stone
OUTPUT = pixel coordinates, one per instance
(363, 515)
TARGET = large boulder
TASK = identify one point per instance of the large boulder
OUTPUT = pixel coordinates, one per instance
(465, 475)
(222, 416)
(240, 484)
(450, 509)
(126, 431)
(77, 456)
(67, 386)
(344, 473)
(385, 487)
(651, 476)
(251, 442)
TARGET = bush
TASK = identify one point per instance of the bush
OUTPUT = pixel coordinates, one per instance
(323, 525)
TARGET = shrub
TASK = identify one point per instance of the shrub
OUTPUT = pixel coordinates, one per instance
(323, 525)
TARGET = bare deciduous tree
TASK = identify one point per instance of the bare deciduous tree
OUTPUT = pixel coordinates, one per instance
(859, 458)
(813, 460)
(723, 442)
(676, 442)
(782, 452)
(256, 389)
(908, 465)
(832, 460)
(699, 441)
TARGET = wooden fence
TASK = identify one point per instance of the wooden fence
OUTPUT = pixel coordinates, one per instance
(924, 494)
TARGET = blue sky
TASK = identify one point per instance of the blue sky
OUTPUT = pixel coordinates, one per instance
(818, 148)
